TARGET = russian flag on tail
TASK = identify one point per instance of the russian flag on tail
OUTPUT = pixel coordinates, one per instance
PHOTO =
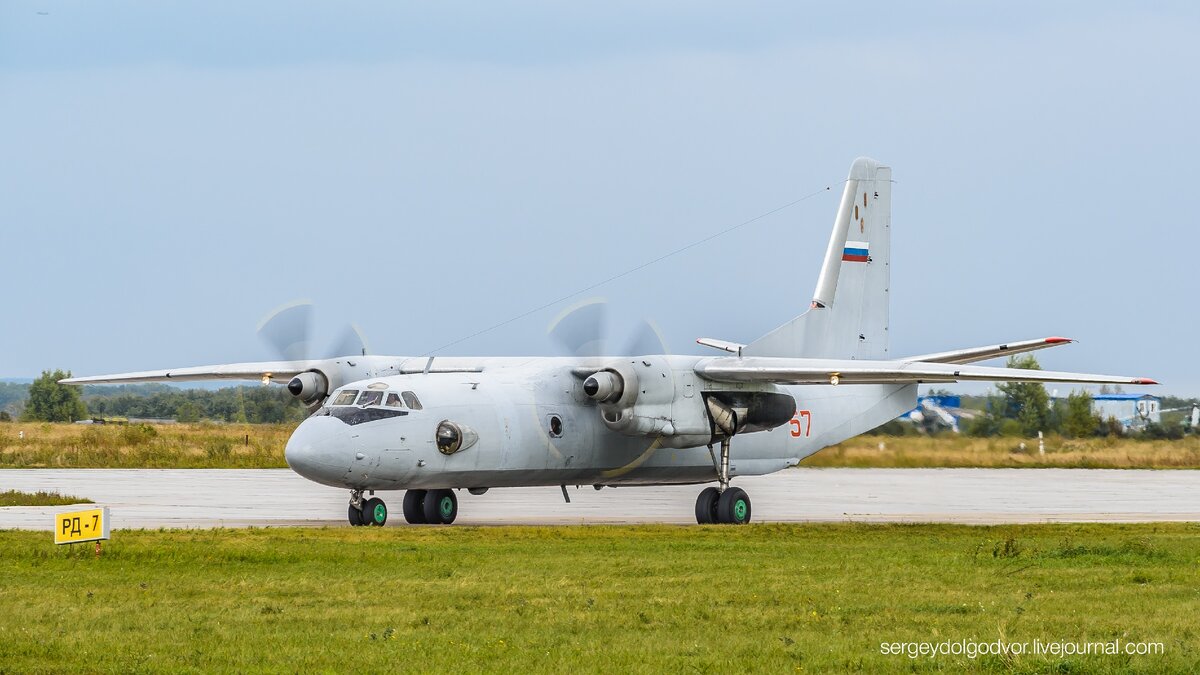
(855, 251)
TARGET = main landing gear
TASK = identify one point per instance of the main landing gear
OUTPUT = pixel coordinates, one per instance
(435, 507)
(724, 504)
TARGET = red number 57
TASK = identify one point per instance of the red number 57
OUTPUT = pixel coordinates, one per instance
(804, 429)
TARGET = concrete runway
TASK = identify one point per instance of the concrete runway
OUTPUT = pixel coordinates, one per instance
(149, 498)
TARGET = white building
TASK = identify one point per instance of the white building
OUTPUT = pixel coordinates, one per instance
(1134, 411)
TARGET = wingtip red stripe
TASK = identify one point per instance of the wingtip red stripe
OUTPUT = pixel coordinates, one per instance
(1057, 340)
(1144, 380)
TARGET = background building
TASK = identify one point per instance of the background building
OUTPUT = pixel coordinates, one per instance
(1134, 411)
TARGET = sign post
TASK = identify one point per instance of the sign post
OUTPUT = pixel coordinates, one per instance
(75, 527)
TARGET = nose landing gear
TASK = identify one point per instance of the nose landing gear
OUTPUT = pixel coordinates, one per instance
(366, 511)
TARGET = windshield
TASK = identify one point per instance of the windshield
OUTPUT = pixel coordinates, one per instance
(370, 398)
(411, 400)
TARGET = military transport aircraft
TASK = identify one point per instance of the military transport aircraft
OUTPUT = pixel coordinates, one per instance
(434, 425)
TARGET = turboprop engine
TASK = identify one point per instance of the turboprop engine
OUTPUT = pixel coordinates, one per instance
(645, 396)
(309, 387)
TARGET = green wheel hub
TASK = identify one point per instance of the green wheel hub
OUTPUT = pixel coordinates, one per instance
(739, 509)
(379, 514)
(446, 506)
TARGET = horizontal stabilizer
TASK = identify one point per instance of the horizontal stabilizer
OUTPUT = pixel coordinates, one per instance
(994, 351)
(851, 371)
(723, 345)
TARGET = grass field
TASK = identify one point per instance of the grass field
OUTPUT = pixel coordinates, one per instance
(767, 598)
(39, 498)
(183, 446)
(1000, 452)
(260, 446)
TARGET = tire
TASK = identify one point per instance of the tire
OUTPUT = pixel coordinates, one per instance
(441, 507)
(354, 516)
(414, 509)
(374, 512)
(733, 507)
(706, 506)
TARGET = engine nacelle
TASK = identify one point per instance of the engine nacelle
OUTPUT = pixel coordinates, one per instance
(643, 397)
(657, 398)
(743, 412)
(309, 387)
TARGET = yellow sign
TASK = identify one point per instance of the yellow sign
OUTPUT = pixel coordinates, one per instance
(79, 526)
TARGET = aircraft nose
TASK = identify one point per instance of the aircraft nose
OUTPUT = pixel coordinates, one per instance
(315, 449)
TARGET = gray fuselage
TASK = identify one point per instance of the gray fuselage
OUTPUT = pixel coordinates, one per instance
(515, 406)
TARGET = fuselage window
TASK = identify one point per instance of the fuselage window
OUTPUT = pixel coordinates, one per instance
(556, 426)
(346, 397)
(393, 400)
(370, 398)
(411, 400)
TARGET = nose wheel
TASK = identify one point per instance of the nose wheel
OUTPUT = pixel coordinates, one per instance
(366, 511)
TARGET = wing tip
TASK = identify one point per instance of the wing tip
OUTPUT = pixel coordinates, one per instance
(1144, 380)
(1055, 340)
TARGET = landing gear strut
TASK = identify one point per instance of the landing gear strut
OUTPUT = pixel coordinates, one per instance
(724, 504)
(366, 511)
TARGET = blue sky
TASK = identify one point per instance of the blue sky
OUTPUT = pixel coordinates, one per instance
(172, 172)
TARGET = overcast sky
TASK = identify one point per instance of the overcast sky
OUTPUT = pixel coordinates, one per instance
(171, 172)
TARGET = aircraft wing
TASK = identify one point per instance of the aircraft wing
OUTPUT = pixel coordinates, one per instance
(984, 353)
(849, 371)
(276, 371)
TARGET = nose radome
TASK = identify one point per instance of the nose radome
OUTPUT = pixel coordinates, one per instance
(314, 449)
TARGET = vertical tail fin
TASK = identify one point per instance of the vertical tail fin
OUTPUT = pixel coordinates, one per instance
(848, 316)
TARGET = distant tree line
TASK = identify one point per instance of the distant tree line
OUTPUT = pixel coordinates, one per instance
(47, 400)
(254, 404)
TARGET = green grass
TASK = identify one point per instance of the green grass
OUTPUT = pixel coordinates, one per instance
(113, 446)
(770, 598)
(39, 498)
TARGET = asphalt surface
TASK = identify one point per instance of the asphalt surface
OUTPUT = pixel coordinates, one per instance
(151, 498)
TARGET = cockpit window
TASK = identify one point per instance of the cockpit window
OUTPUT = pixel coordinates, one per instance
(411, 400)
(393, 400)
(369, 398)
(346, 397)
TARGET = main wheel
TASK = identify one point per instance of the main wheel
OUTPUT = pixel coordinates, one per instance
(441, 507)
(354, 515)
(706, 505)
(374, 512)
(733, 507)
(414, 507)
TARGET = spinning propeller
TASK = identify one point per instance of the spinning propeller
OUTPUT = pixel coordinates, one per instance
(582, 330)
(288, 330)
